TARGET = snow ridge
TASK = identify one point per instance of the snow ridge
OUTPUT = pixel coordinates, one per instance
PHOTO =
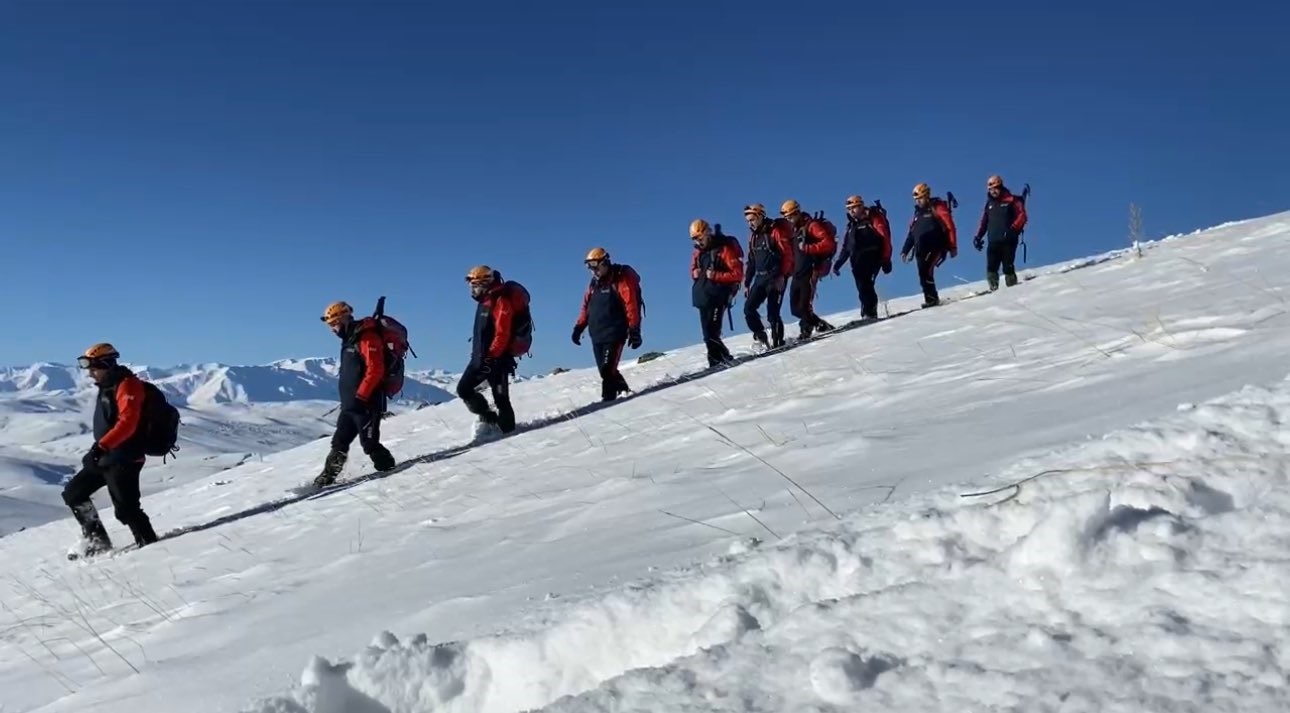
(1137, 574)
(214, 383)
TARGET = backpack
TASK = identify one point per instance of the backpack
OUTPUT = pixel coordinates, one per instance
(826, 261)
(721, 240)
(522, 322)
(159, 427)
(640, 297)
(394, 339)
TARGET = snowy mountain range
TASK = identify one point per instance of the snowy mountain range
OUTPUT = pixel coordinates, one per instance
(312, 379)
(231, 415)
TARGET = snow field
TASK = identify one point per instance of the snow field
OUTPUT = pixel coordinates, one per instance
(1145, 571)
(512, 572)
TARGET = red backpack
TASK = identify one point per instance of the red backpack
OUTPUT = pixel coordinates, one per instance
(825, 262)
(522, 322)
(394, 339)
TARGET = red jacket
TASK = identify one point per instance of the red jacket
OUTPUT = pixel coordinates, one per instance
(727, 270)
(781, 234)
(129, 409)
(1008, 202)
(813, 253)
(372, 350)
(603, 300)
(495, 319)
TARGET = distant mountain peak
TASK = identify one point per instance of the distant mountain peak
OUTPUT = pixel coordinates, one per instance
(297, 379)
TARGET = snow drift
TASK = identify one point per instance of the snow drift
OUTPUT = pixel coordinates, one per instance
(1145, 571)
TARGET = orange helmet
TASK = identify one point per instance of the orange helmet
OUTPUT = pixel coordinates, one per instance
(922, 190)
(596, 255)
(699, 227)
(789, 208)
(335, 312)
(756, 209)
(479, 275)
(101, 354)
(995, 181)
(855, 202)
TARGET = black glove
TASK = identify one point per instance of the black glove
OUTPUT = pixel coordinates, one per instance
(634, 338)
(837, 269)
(91, 457)
(577, 333)
(886, 268)
(978, 242)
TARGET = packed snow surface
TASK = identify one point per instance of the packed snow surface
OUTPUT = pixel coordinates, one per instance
(790, 534)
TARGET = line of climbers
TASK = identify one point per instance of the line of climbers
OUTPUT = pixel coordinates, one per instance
(786, 255)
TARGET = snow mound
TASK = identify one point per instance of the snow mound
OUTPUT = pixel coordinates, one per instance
(1142, 571)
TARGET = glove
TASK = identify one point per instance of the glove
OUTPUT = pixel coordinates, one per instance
(780, 284)
(837, 269)
(978, 242)
(886, 268)
(634, 338)
(577, 333)
(954, 252)
(91, 457)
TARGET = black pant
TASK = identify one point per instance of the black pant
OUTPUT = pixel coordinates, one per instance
(497, 375)
(865, 268)
(607, 356)
(710, 322)
(801, 302)
(122, 482)
(364, 425)
(1002, 253)
(927, 276)
(763, 290)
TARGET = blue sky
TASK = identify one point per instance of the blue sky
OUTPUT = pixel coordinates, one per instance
(195, 181)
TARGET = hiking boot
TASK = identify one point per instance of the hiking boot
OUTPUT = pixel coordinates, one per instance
(332, 467)
(776, 335)
(822, 326)
(760, 340)
(1010, 278)
(143, 532)
(993, 279)
(382, 459)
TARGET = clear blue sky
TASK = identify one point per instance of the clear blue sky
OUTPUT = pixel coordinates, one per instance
(195, 181)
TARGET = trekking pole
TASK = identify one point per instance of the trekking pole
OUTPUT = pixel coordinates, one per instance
(1025, 193)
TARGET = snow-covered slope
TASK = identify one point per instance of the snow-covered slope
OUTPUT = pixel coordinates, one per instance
(231, 414)
(790, 534)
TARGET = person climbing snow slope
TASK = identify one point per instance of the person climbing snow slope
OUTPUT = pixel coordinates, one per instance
(867, 244)
(766, 274)
(611, 312)
(717, 270)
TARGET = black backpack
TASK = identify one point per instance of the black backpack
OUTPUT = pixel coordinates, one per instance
(159, 429)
